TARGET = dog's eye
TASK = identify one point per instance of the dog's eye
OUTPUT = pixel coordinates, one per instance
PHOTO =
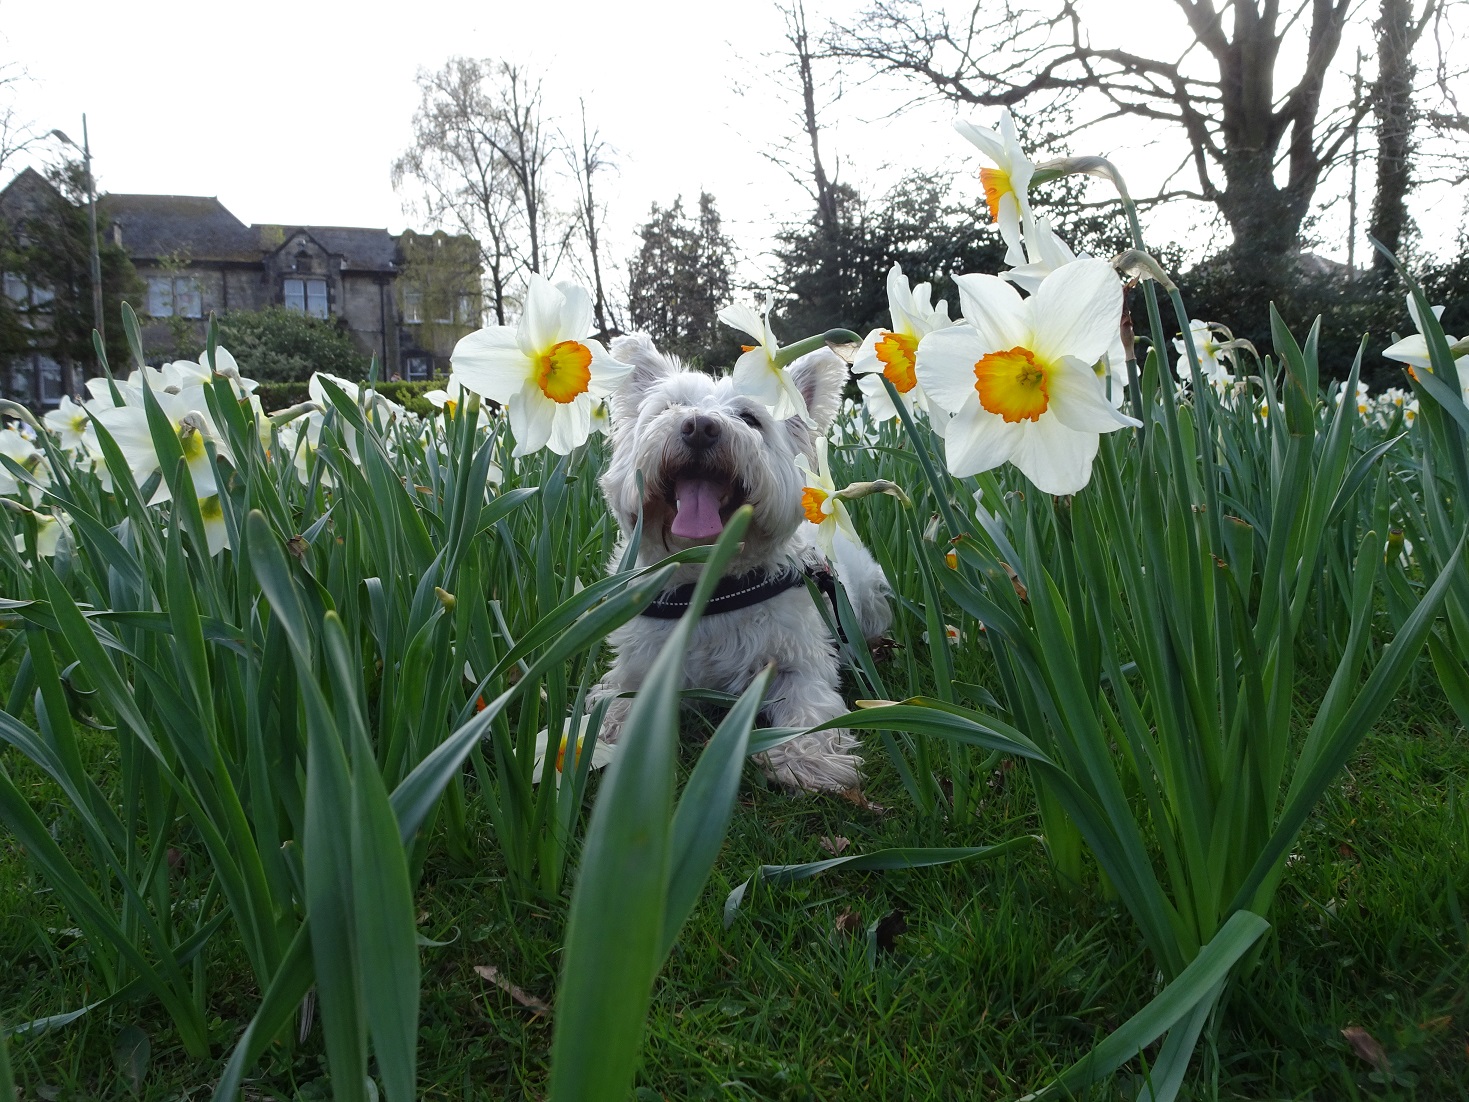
(750, 419)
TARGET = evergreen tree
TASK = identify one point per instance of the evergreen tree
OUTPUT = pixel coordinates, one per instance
(680, 279)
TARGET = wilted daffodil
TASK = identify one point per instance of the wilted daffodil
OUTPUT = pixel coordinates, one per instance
(1019, 375)
(892, 353)
(756, 373)
(546, 370)
(1007, 184)
(601, 753)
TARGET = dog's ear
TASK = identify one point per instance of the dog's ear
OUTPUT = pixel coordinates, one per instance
(650, 367)
(820, 377)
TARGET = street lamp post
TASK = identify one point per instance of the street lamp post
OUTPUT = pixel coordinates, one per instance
(96, 257)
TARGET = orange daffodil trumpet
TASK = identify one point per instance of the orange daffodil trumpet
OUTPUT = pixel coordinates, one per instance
(1007, 184)
(1018, 377)
(893, 353)
(546, 370)
(756, 373)
(821, 502)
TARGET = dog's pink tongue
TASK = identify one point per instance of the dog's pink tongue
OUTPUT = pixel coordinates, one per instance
(698, 509)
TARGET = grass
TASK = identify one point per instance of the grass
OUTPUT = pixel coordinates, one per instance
(997, 978)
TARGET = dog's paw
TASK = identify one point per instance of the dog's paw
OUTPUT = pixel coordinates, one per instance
(818, 763)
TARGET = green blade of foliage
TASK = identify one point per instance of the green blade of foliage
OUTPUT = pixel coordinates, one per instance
(1202, 978)
(705, 808)
(614, 933)
(899, 857)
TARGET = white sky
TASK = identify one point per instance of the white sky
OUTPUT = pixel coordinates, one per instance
(292, 112)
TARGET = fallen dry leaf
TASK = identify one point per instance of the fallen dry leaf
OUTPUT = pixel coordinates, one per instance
(834, 846)
(530, 1002)
(849, 923)
(1366, 1046)
(854, 796)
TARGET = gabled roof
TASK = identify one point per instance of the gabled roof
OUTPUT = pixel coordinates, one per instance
(193, 227)
(361, 250)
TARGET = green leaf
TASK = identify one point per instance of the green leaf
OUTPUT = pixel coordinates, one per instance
(1202, 980)
(901, 857)
(705, 809)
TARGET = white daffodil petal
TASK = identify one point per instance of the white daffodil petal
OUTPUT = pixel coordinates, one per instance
(540, 321)
(571, 424)
(977, 440)
(997, 313)
(1056, 459)
(739, 315)
(490, 363)
(945, 366)
(1077, 311)
(532, 416)
(1080, 403)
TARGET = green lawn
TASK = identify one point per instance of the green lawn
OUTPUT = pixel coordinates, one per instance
(987, 976)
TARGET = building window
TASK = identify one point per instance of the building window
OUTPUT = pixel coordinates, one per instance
(468, 315)
(419, 367)
(50, 373)
(308, 296)
(175, 296)
(412, 307)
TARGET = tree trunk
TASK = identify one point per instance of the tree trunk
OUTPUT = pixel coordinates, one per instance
(1392, 104)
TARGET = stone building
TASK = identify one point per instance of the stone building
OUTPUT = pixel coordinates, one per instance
(405, 299)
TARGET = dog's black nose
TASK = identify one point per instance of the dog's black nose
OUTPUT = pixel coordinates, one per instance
(700, 432)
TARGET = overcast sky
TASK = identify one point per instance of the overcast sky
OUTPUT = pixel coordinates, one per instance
(292, 112)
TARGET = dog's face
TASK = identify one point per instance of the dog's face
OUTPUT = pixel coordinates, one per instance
(703, 451)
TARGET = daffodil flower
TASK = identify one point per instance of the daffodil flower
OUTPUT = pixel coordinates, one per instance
(1413, 351)
(193, 427)
(1045, 253)
(51, 526)
(21, 451)
(601, 753)
(892, 353)
(1018, 375)
(546, 370)
(756, 373)
(1006, 185)
(70, 423)
(1212, 366)
(821, 503)
(216, 532)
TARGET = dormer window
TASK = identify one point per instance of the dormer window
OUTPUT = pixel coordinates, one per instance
(307, 296)
(303, 261)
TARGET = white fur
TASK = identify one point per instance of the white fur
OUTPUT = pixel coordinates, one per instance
(729, 648)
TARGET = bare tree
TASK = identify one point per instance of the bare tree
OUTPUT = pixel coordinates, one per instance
(1257, 148)
(479, 160)
(16, 134)
(588, 157)
(1396, 112)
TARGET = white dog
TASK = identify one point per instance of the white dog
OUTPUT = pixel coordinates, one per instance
(703, 451)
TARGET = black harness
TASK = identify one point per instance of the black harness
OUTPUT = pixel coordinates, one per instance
(743, 591)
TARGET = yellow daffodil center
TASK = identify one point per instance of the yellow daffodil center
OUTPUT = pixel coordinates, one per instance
(896, 351)
(191, 441)
(1012, 384)
(565, 371)
(811, 499)
(561, 755)
(211, 510)
(996, 183)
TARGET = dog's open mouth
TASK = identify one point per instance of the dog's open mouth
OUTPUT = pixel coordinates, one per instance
(702, 502)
